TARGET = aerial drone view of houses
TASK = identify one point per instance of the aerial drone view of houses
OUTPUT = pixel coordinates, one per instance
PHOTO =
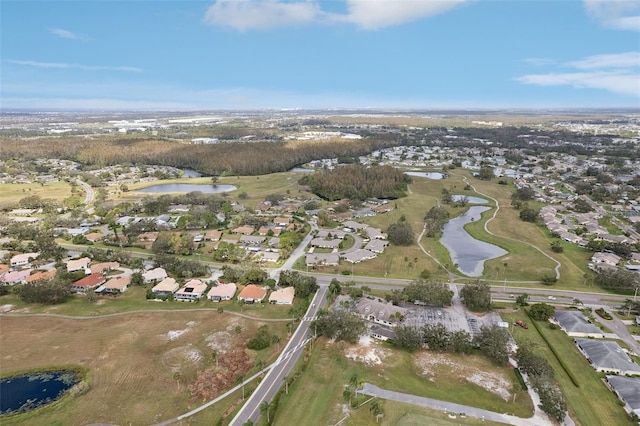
(459, 275)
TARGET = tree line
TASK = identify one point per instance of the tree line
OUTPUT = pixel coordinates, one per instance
(356, 181)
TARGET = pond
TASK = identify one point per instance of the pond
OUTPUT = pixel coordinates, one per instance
(429, 175)
(469, 253)
(23, 393)
(188, 187)
(470, 199)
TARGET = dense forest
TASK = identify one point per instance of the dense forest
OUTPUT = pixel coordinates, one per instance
(358, 182)
(226, 158)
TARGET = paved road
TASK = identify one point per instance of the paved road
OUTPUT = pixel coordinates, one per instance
(451, 407)
(90, 194)
(274, 379)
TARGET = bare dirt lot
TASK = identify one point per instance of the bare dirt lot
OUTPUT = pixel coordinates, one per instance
(141, 365)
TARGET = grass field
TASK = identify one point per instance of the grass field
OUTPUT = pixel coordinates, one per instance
(426, 374)
(11, 193)
(131, 361)
(590, 404)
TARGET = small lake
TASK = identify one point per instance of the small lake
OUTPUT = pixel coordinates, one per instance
(302, 170)
(469, 253)
(188, 187)
(470, 199)
(428, 175)
(23, 393)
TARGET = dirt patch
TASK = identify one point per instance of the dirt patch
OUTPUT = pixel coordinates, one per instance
(174, 334)
(6, 308)
(367, 351)
(432, 365)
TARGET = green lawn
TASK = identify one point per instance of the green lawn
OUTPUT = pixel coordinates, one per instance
(317, 394)
(11, 193)
(590, 404)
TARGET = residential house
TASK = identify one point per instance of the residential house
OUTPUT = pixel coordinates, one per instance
(359, 256)
(192, 290)
(103, 266)
(283, 296)
(379, 312)
(15, 277)
(322, 243)
(575, 324)
(355, 225)
(166, 287)
(382, 333)
(244, 230)
(222, 292)
(628, 390)
(41, 276)
(212, 235)
(94, 236)
(88, 282)
(251, 240)
(607, 356)
(375, 233)
(376, 246)
(116, 285)
(268, 256)
(252, 294)
(606, 258)
(154, 275)
(322, 259)
(81, 264)
(281, 221)
(23, 259)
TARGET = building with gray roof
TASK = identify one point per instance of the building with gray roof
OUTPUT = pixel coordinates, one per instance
(607, 356)
(575, 324)
(628, 390)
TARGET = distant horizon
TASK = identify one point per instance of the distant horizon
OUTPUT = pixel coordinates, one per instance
(318, 54)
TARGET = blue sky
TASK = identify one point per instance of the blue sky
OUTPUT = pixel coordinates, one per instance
(238, 54)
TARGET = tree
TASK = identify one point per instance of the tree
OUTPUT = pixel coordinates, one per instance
(557, 247)
(494, 342)
(552, 401)
(265, 407)
(485, 173)
(137, 279)
(375, 409)
(334, 287)
(408, 337)
(522, 299)
(340, 325)
(401, 234)
(529, 215)
(430, 293)
(541, 311)
(476, 297)
(240, 380)
(437, 337)
(50, 292)
(532, 364)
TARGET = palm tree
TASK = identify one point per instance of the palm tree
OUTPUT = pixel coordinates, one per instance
(176, 377)
(265, 406)
(276, 339)
(240, 379)
(354, 380)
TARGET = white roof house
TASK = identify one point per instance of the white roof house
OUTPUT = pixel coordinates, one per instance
(607, 258)
(359, 255)
(320, 259)
(165, 287)
(23, 259)
(222, 292)
(283, 296)
(78, 264)
(157, 274)
(192, 290)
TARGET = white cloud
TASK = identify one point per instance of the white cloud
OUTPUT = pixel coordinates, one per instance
(624, 83)
(62, 65)
(616, 60)
(244, 15)
(376, 14)
(617, 73)
(62, 33)
(617, 14)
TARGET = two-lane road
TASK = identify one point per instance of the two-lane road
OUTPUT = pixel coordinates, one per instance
(274, 379)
